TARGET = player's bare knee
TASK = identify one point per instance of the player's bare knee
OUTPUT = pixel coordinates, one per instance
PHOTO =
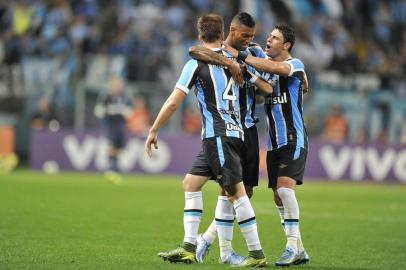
(193, 183)
(286, 182)
(188, 185)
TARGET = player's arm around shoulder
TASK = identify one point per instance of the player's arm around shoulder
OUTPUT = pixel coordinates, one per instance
(208, 56)
(260, 64)
(269, 66)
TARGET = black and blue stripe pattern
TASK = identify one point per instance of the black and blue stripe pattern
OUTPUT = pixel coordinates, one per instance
(291, 222)
(224, 222)
(284, 109)
(193, 212)
(247, 222)
(248, 93)
(217, 95)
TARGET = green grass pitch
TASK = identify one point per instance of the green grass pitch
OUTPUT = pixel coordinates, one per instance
(80, 221)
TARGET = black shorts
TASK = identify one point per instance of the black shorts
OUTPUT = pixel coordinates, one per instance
(286, 161)
(116, 136)
(220, 160)
(250, 157)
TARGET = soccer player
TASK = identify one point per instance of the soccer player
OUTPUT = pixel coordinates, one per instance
(113, 108)
(242, 31)
(222, 139)
(287, 138)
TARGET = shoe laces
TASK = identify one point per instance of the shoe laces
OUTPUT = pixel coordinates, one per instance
(235, 257)
(288, 253)
(204, 246)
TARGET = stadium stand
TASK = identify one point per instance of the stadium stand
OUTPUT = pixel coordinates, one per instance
(64, 51)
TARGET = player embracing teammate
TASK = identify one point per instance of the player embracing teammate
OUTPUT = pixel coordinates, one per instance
(222, 141)
(287, 138)
(223, 130)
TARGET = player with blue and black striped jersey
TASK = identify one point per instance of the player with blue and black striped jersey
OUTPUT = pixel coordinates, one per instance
(248, 93)
(248, 100)
(222, 139)
(284, 109)
(287, 138)
(242, 31)
(216, 93)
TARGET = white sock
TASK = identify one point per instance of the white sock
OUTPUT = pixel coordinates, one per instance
(225, 224)
(291, 216)
(300, 246)
(211, 233)
(248, 224)
(281, 211)
(192, 215)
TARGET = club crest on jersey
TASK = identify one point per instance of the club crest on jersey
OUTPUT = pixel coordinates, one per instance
(232, 127)
(279, 99)
(274, 79)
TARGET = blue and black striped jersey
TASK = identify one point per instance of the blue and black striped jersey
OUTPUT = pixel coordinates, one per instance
(217, 96)
(247, 92)
(284, 108)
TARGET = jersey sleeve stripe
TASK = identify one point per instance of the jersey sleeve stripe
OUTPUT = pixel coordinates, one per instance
(181, 87)
(295, 66)
(185, 80)
(292, 69)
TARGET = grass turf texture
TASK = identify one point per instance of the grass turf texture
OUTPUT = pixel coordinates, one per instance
(80, 221)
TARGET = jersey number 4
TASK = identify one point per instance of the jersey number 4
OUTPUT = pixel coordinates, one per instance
(228, 93)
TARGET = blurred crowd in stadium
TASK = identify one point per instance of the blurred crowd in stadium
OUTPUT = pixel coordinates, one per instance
(53, 50)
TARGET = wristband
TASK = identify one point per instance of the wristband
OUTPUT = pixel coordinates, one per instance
(242, 55)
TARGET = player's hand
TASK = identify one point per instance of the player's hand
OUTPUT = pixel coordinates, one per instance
(230, 50)
(236, 73)
(152, 139)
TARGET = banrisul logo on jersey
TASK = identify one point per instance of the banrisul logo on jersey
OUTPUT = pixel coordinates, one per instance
(277, 99)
